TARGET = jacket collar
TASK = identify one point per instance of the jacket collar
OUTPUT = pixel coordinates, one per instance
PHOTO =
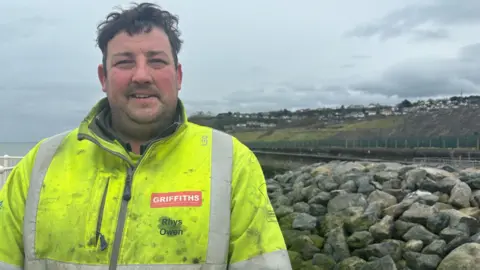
(98, 122)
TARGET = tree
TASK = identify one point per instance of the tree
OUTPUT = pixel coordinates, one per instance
(405, 104)
(364, 111)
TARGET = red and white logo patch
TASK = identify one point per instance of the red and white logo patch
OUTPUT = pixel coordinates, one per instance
(176, 199)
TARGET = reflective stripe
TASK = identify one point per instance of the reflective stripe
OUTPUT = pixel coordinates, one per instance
(220, 199)
(219, 225)
(6, 266)
(44, 157)
(269, 261)
(51, 264)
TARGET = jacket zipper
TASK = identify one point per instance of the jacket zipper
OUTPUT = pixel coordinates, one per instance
(122, 215)
(98, 233)
(127, 195)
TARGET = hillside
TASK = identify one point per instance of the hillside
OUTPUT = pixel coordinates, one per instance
(463, 121)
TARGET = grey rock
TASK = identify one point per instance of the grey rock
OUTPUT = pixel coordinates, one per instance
(383, 229)
(448, 234)
(374, 209)
(397, 210)
(461, 221)
(283, 210)
(305, 246)
(393, 184)
(348, 167)
(384, 263)
(310, 191)
(389, 247)
(317, 210)
(351, 263)
(331, 221)
(437, 247)
(323, 261)
(475, 238)
(413, 178)
(342, 202)
(438, 221)
(418, 213)
(384, 198)
(338, 192)
(456, 242)
(442, 206)
(359, 220)
(417, 260)
(460, 195)
(328, 184)
(320, 198)
(401, 227)
(282, 200)
(301, 207)
(463, 257)
(360, 239)
(384, 176)
(304, 221)
(419, 232)
(437, 174)
(364, 185)
(336, 245)
(349, 186)
(476, 196)
(422, 196)
(413, 245)
(443, 185)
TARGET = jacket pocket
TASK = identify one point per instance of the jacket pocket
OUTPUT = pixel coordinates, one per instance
(96, 237)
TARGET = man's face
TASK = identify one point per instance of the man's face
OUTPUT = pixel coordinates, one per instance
(142, 82)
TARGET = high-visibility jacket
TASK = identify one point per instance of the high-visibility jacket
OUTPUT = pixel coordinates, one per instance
(195, 199)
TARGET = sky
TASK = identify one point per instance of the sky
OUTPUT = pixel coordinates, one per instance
(245, 56)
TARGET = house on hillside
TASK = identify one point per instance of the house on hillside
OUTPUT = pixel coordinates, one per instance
(386, 112)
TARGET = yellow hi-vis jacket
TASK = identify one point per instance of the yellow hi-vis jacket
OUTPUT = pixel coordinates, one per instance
(196, 199)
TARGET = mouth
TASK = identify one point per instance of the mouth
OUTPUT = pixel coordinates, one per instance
(138, 96)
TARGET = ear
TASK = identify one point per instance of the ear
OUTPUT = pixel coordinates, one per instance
(179, 76)
(102, 77)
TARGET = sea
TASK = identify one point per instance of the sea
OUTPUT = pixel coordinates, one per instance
(15, 148)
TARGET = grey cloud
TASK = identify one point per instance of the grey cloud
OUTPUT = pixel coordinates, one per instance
(428, 35)
(346, 66)
(361, 56)
(233, 63)
(429, 77)
(23, 27)
(410, 19)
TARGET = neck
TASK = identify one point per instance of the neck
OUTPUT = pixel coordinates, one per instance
(136, 134)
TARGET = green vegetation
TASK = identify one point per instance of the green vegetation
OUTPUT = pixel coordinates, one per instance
(311, 133)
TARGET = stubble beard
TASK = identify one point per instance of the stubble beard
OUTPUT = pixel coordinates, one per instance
(135, 127)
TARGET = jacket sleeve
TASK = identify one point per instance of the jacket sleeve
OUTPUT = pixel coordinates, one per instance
(12, 204)
(256, 241)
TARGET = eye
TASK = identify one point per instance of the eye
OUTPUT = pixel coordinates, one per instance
(158, 62)
(124, 63)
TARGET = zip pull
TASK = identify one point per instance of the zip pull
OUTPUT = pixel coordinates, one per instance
(127, 192)
(103, 241)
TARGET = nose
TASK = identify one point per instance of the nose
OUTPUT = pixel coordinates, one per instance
(141, 73)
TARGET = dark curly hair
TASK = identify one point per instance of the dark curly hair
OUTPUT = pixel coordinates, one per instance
(139, 18)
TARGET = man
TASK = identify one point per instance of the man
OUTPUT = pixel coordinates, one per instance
(136, 186)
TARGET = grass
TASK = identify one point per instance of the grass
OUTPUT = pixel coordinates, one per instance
(306, 133)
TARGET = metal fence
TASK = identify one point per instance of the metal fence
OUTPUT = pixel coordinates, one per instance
(456, 163)
(6, 165)
(470, 142)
